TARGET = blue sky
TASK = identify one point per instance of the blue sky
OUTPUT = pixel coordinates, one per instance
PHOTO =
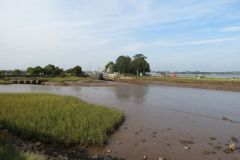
(175, 35)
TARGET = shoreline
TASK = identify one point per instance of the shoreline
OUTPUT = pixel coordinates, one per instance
(207, 85)
(211, 85)
(188, 82)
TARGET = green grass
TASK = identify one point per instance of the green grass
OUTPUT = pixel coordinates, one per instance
(64, 79)
(5, 82)
(55, 79)
(58, 119)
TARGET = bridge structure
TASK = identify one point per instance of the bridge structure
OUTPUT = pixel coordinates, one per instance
(23, 79)
(28, 81)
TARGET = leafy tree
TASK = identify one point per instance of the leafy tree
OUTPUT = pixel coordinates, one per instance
(38, 70)
(49, 69)
(16, 72)
(30, 71)
(139, 64)
(2, 72)
(58, 71)
(75, 71)
(136, 56)
(123, 64)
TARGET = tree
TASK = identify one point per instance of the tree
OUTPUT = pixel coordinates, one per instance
(2, 72)
(123, 64)
(38, 70)
(30, 71)
(139, 64)
(75, 71)
(58, 71)
(49, 69)
(16, 72)
(136, 56)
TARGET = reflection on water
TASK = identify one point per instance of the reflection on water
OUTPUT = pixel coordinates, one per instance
(136, 93)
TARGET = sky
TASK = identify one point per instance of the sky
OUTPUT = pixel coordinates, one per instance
(174, 35)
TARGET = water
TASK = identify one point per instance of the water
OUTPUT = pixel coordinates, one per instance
(158, 117)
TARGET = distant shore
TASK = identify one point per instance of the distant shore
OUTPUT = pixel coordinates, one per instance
(189, 82)
(226, 84)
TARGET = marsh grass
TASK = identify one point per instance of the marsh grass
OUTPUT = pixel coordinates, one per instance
(64, 79)
(57, 79)
(58, 119)
(5, 82)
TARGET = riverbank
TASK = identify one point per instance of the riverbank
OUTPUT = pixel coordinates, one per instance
(189, 82)
(5, 82)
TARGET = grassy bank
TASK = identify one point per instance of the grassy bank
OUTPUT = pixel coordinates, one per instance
(64, 79)
(59, 119)
(57, 80)
(187, 80)
(3, 82)
(227, 84)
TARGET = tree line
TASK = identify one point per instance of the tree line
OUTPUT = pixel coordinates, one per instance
(48, 70)
(127, 65)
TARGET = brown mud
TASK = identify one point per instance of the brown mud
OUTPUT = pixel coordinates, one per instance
(215, 85)
(208, 84)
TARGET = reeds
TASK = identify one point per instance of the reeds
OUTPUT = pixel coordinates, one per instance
(58, 119)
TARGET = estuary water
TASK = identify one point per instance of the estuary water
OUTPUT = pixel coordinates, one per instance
(161, 120)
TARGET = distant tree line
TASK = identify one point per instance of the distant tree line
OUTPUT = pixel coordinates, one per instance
(49, 70)
(127, 65)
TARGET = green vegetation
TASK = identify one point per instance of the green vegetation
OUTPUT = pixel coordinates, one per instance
(57, 119)
(61, 79)
(5, 82)
(126, 65)
(58, 80)
(17, 72)
(75, 71)
(49, 70)
(10, 152)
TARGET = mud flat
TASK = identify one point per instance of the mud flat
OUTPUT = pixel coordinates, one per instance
(203, 84)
